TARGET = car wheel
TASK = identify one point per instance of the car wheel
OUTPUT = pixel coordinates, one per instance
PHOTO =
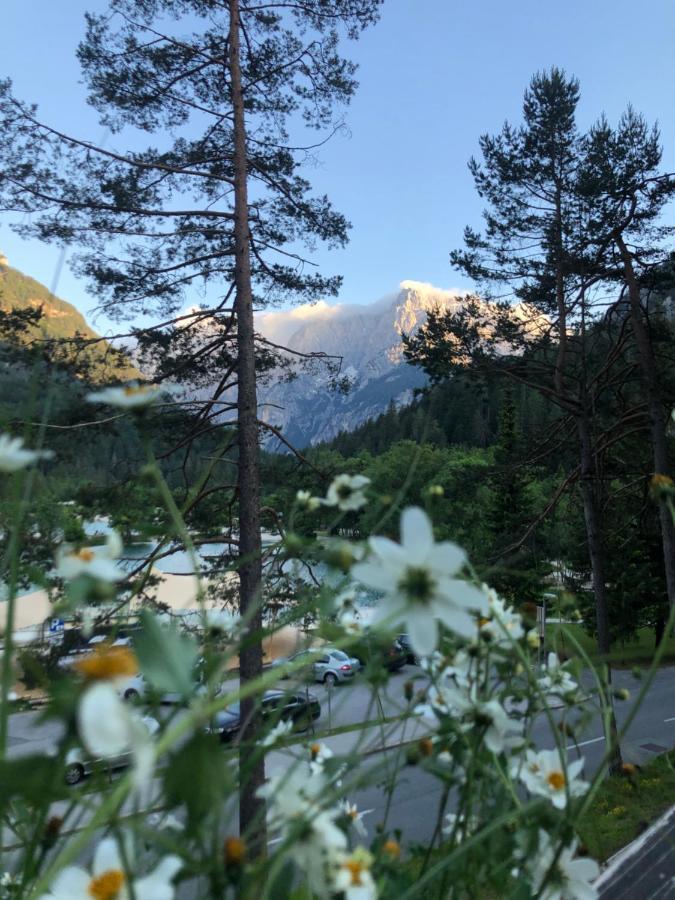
(330, 679)
(74, 773)
(131, 694)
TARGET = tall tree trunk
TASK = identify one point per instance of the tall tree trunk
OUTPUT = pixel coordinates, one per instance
(596, 550)
(655, 409)
(252, 773)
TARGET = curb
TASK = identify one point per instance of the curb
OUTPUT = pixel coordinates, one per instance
(621, 856)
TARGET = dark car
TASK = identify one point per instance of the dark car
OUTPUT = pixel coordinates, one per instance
(404, 642)
(395, 656)
(300, 708)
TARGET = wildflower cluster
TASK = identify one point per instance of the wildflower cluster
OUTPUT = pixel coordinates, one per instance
(505, 802)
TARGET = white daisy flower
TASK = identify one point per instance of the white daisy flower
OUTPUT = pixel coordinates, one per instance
(503, 625)
(305, 500)
(351, 811)
(96, 562)
(130, 396)
(417, 578)
(546, 775)
(557, 682)
(108, 880)
(346, 492)
(319, 753)
(294, 799)
(281, 730)
(353, 878)
(571, 878)
(488, 715)
(14, 456)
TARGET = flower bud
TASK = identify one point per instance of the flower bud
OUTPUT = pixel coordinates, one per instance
(426, 747)
(622, 694)
(409, 690)
(436, 490)
(234, 851)
(392, 848)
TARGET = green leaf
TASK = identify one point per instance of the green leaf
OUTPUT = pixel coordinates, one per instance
(167, 658)
(39, 779)
(198, 776)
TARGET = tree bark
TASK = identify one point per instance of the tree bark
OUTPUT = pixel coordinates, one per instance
(655, 409)
(251, 765)
(596, 550)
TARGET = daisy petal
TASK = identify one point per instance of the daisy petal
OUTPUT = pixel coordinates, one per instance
(446, 557)
(423, 633)
(70, 882)
(106, 857)
(417, 536)
(375, 576)
(388, 552)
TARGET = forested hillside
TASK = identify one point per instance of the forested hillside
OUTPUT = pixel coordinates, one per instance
(47, 318)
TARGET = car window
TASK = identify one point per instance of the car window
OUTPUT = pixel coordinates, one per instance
(324, 659)
(338, 654)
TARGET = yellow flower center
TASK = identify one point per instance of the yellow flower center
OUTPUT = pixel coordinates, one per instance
(133, 390)
(556, 780)
(106, 886)
(106, 663)
(355, 868)
(86, 554)
(661, 481)
(315, 749)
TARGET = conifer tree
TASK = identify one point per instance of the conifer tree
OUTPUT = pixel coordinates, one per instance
(217, 199)
(626, 191)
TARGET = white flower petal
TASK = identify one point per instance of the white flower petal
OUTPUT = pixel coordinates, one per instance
(417, 535)
(106, 857)
(157, 885)
(464, 594)
(104, 721)
(375, 576)
(389, 553)
(70, 884)
(446, 557)
(423, 633)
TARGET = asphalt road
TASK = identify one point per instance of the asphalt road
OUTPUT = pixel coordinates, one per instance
(413, 805)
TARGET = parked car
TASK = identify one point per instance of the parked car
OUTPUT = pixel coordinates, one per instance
(136, 687)
(326, 664)
(79, 763)
(373, 649)
(406, 646)
(300, 708)
(395, 657)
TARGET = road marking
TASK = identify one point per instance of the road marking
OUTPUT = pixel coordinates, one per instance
(672, 719)
(585, 743)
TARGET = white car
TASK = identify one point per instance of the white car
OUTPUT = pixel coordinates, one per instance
(136, 687)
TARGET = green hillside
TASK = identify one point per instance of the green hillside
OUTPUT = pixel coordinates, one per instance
(59, 320)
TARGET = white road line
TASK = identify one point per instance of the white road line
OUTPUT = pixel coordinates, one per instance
(585, 743)
(672, 719)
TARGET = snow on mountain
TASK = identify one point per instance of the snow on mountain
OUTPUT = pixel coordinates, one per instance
(366, 339)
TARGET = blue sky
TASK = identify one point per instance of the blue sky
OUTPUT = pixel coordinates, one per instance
(434, 75)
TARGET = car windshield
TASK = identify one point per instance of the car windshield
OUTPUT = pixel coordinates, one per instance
(338, 654)
(232, 710)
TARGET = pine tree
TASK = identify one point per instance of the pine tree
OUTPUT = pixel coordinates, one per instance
(224, 89)
(515, 575)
